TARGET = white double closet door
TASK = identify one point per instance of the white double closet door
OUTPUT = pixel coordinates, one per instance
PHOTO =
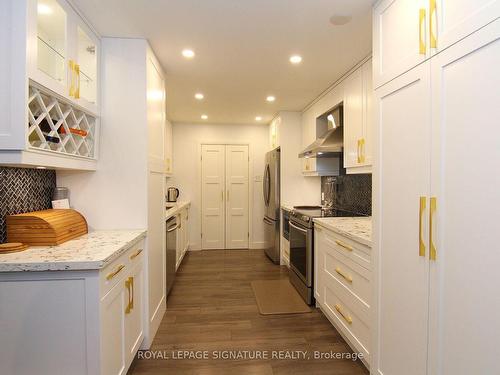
(225, 196)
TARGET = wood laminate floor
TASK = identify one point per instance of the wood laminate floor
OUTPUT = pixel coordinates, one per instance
(212, 308)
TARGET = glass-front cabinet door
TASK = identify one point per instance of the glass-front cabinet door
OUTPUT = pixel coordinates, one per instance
(87, 49)
(63, 52)
(49, 44)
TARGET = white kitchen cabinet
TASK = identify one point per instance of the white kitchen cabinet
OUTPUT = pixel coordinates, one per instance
(453, 20)
(63, 52)
(87, 322)
(407, 32)
(122, 311)
(134, 316)
(113, 306)
(399, 38)
(156, 114)
(342, 286)
(274, 133)
(465, 81)
(169, 144)
(49, 86)
(402, 285)
(421, 289)
(182, 235)
(358, 124)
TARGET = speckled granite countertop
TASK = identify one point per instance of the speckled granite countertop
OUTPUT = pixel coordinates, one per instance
(358, 229)
(287, 207)
(176, 208)
(92, 251)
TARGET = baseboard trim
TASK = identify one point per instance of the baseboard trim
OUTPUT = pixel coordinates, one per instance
(257, 245)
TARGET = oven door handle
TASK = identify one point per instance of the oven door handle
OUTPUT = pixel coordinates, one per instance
(299, 229)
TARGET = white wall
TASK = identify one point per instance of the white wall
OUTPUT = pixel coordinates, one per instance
(115, 196)
(187, 174)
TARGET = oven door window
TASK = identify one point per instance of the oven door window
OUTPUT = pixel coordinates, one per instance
(298, 251)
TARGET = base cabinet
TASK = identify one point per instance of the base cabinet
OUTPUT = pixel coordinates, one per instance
(342, 286)
(122, 311)
(87, 322)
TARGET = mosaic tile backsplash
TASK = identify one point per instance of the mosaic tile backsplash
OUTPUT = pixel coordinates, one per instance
(350, 192)
(24, 190)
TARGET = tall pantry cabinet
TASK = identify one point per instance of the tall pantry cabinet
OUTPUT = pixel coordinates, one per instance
(436, 191)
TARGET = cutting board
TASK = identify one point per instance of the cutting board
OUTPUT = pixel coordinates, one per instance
(47, 227)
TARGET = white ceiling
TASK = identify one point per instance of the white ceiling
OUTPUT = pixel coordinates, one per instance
(242, 49)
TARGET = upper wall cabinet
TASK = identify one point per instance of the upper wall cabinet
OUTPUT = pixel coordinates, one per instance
(169, 149)
(407, 32)
(274, 133)
(358, 123)
(49, 86)
(63, 52)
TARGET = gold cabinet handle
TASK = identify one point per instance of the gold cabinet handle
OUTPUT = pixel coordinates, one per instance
(358, 150)
(341, 273)
(227, 195)
(432, 15)
(346, 317)
(345, 246)
(115, 272)
(432, 211)
(132, 287)
(421, 248)
(421, 31)
(71, 64)
(77, 89)
(222, 195)
(128, 284)
(136, 254)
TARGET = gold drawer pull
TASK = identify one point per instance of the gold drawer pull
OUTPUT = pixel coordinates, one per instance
(347, 318)
(421, 249)
(432, 15)
(136, 254)
(345, 246)
(129, 304)
(432, 246)
(421, 30)
(115, 272)
(341, 273)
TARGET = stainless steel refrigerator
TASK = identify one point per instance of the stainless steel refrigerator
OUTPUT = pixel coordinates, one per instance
(271, 192)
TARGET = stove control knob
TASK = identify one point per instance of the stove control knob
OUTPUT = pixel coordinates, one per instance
(305, 218)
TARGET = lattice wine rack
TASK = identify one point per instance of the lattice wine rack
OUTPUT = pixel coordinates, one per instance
(57, 126)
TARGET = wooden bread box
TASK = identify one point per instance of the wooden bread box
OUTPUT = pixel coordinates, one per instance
(47, 227)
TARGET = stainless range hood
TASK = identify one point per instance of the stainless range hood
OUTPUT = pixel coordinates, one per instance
(331, 143)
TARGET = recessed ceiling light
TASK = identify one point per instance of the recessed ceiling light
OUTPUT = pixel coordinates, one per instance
(44, 9)
(188, 53)
(204, 117)
(340, 20)
(258, 118)
(41, 167)
(199, 96)
(295, 59)
(270, 98)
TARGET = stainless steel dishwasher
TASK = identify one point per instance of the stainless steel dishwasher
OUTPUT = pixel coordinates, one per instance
(171, 257)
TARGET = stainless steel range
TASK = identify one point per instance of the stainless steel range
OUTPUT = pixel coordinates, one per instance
(302, 245)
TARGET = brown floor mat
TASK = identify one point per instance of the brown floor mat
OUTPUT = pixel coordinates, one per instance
(278, 297)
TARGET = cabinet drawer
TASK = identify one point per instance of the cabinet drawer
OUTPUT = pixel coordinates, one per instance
(356, 252)
(356, 279)
(351, 325)
(111, 274)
